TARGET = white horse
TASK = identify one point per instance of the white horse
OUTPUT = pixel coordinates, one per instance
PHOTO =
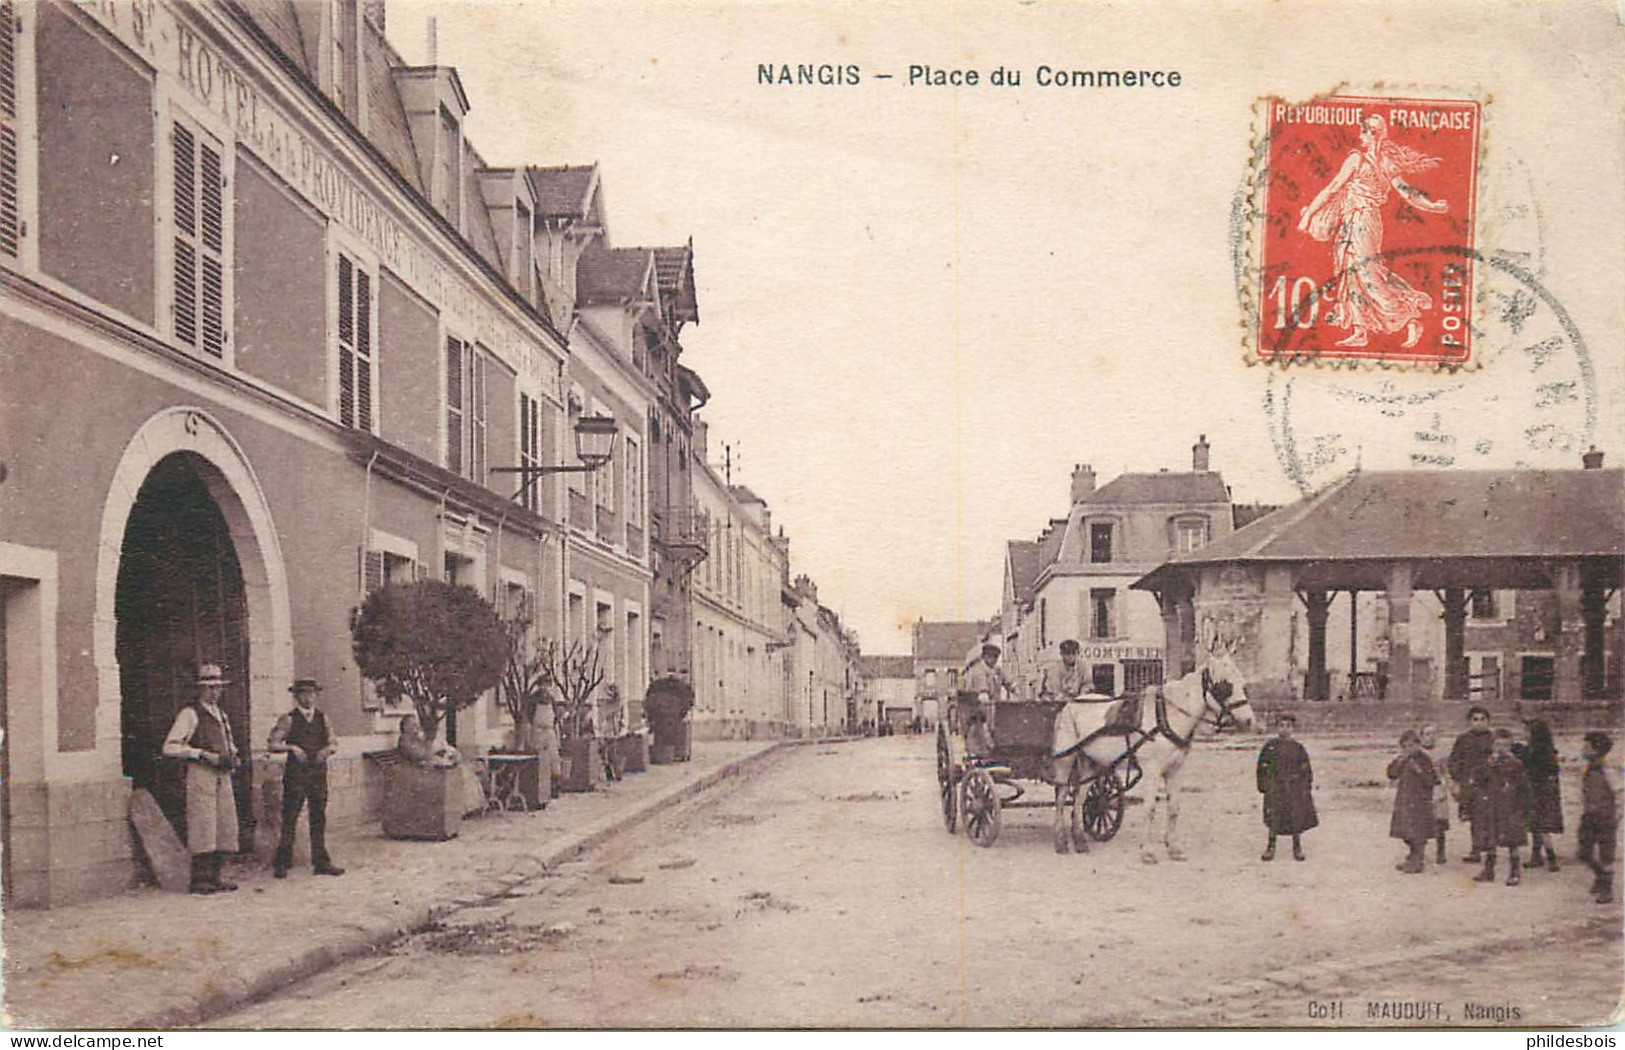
(1170, 715)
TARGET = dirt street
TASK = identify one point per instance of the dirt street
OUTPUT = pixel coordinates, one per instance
(822, 890)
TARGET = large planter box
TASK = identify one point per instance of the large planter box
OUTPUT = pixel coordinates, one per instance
(634, 752)
(422, 802)
(584, 763)
(674, 742)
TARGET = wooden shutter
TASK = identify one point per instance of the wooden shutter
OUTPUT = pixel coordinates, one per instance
(372, 571)
(200, 242)
(454, 405)
(528, 448)
(11, 228)
(347, 355)
(355, 345)
(476, 424)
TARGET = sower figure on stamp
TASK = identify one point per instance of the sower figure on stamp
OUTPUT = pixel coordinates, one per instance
(1286, 780)
(1501, 809)
(1366, 294)
(303, 736)
(1467, 761)
(201, 737)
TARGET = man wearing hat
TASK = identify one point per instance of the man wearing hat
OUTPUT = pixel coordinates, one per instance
(1067, 680)
(303, 736)
(201, 737)
(983, 682)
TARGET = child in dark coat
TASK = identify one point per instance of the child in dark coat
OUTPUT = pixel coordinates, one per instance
(1540, 765)
(1413, 820)
(1285, 779)
(1502, 809)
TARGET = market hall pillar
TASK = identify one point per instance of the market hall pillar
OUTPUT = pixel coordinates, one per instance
(1399, 632)
(1317, 608)
(1454, 600)
(1594, 611)
(1567, 644)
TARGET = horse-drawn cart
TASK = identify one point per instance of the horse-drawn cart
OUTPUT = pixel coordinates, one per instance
(986, 750)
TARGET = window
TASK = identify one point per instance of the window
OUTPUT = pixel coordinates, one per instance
(530, 449)
(524, 270)
(1190, 534)
(1484, 605)
(11, 226)
(465, 409)
(1100, 542)
(355, 345)
(1043, 622)
(459, 570)
(1104, 679)
(448, 180)
(199, 275)
(516, 602)
(383, 567)
(634, 481)
(1102, 618)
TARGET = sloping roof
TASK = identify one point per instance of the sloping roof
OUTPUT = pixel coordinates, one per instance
(565, 192)
(674, 272)
(612, 275)
(1164, 487)
(946, 641)
(1023, 558)
(1416, 514)
(886, 666)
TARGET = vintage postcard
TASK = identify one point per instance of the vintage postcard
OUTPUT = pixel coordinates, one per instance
(1012, 514)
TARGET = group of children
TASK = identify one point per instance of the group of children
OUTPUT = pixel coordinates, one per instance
(1507, 792)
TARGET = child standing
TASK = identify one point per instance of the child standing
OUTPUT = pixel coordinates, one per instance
(1545, 797)
(1413, 820)
(1599, 817)
(1441, 790)
(1285, 779)
(1502, 808)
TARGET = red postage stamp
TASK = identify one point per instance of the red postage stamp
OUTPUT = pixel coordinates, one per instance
(1366, 250)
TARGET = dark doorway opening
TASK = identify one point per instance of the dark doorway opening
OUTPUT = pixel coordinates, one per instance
(1538, 675)
(179, 602)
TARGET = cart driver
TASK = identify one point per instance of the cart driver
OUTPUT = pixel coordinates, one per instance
(1067, 680)
(982, 683)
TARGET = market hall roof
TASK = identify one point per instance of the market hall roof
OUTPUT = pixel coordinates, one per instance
(1460, 527)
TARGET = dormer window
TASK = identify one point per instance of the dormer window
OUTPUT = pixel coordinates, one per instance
(524, 269)
(1189, 534)
(1100, 542)
(448, 187)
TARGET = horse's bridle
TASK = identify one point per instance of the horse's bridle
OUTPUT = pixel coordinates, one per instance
(1220, 693)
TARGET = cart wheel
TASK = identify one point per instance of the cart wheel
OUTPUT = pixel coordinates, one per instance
(1098, 808)
(979, 802)
(945, 783)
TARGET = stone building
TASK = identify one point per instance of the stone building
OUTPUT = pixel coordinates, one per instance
(1075, 581)
(939, 650)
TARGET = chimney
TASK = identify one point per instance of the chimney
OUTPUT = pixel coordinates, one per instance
(1083, 482)
(1199, 454)
(1592, 459)
(434, 43)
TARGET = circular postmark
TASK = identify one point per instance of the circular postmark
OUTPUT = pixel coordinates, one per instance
(1523, 393)
(1531, 402)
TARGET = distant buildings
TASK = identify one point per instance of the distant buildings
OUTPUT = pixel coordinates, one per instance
(941, 651)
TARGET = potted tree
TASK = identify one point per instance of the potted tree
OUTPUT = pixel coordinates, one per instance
(666, 705)
(439, 646)
(575, 672)
(524, 693)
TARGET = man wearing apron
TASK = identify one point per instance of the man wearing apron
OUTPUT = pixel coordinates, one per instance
(201, 737)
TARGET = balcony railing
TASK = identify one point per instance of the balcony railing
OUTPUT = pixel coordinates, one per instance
(683, 532)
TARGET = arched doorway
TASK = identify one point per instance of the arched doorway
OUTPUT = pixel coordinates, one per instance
(179, 601)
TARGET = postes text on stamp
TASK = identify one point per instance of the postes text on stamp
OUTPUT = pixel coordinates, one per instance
(1366, 252)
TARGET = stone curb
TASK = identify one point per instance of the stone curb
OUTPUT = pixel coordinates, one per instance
(233, 992)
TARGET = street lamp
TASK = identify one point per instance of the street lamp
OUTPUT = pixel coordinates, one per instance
(595, 445)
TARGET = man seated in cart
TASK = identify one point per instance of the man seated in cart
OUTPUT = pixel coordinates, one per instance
(1066, 680)
(982, 685)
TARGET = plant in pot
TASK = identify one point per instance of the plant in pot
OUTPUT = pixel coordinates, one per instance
(666, 705)
(525, 696)
(575, 672)
(439, 646)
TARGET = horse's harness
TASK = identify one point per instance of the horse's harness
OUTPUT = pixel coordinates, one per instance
(1220, 692)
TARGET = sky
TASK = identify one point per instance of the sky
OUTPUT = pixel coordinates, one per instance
(920, 306)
